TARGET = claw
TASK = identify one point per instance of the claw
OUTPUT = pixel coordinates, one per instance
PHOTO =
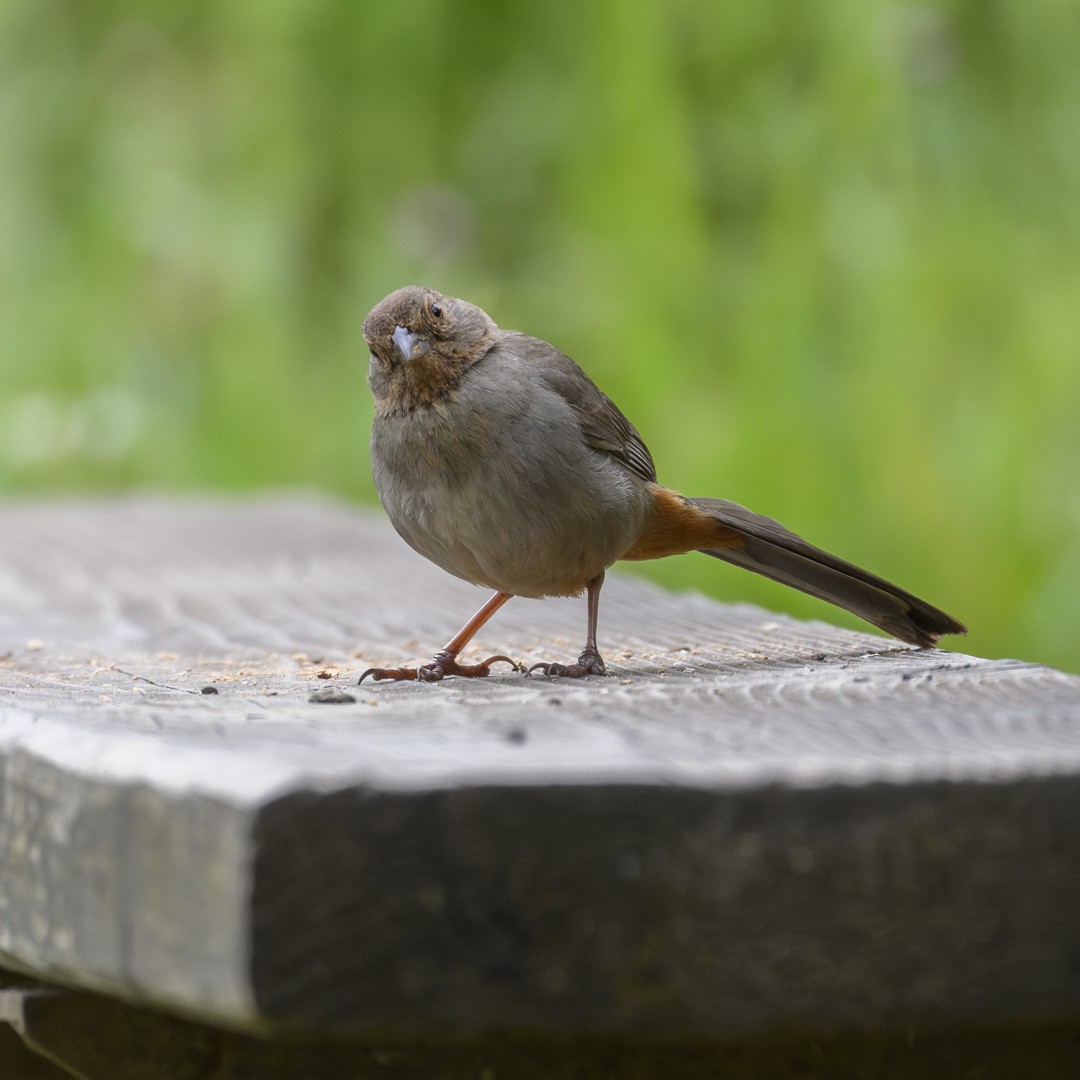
(397, 674)
(589, 663)
(515, 665)
(441, 665)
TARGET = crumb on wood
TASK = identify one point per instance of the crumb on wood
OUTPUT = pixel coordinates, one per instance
(330, 671)
(331, 696)
(305, 660)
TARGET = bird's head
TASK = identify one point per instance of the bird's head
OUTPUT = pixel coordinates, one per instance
(421, 342)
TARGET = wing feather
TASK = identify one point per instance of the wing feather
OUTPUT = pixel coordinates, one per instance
(603, 425)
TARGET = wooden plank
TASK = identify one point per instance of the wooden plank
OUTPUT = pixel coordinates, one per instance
(95, 1038)
(754, 824)
(17, 1060)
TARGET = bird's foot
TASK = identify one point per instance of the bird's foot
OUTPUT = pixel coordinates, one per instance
(441, 665)
(589, 663)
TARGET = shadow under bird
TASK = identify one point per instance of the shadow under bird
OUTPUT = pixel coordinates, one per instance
(497, 458)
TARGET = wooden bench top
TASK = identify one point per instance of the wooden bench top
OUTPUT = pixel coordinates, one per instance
(753, 824)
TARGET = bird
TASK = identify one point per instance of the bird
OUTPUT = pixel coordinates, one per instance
(497, 458)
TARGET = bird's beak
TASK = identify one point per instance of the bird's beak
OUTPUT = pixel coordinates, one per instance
(408, 344)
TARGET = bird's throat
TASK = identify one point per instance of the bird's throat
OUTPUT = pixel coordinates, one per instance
(419, 384)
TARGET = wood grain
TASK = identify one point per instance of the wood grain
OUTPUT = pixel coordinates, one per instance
(95, 1038)
(754, 823)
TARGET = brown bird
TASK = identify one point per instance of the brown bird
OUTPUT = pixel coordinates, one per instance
(498, 459)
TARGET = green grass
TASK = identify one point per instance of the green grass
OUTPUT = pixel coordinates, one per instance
(826, 256)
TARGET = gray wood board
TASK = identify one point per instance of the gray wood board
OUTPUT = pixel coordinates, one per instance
(95, 1038)
(755, 823)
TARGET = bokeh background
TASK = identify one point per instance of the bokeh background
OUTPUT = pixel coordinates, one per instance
(825, 255)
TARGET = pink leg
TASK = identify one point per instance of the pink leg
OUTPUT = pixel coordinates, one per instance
(444, 662)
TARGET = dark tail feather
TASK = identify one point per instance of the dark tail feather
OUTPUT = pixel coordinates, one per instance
(773, 551)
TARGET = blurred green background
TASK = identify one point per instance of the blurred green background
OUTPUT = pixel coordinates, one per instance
(826, 256)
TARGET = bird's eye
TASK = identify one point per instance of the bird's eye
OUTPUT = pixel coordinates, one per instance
(436, 311)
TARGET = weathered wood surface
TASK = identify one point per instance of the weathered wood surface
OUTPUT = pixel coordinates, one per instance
(97, 1038)
(755, 824)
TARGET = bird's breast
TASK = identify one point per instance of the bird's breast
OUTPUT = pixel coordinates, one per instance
(497, 486)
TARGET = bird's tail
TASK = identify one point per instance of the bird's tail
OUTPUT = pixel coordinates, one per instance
(766, 547)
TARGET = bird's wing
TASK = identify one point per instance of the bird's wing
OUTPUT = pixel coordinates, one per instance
(603, 426)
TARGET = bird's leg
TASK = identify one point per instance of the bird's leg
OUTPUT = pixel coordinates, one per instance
(589, 662)
(444, 662)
